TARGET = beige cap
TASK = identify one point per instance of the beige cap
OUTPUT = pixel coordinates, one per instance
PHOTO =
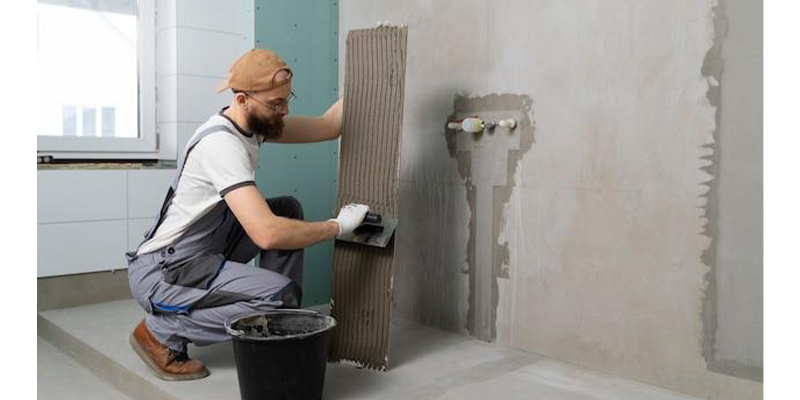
(256, 70)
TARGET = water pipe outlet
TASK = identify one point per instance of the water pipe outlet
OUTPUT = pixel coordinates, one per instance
(477, 125)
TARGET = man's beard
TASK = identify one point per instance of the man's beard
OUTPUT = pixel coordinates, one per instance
(268, 128)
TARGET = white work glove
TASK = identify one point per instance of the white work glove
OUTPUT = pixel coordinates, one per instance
(350, 217)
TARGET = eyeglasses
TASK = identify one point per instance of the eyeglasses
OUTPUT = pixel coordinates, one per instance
(274, 107)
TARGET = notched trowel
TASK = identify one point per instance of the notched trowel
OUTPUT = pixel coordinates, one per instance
(376, 230)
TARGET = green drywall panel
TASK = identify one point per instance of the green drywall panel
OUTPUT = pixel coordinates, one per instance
(305, 34)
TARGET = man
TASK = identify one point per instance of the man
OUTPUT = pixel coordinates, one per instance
(190, 273)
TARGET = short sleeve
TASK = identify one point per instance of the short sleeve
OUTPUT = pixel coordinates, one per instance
(225, 162)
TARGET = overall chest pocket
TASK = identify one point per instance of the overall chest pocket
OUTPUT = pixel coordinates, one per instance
(195, 273)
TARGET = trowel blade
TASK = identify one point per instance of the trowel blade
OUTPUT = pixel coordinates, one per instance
(371, 238)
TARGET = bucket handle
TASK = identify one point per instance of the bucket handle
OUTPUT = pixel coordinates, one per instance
(234, 332)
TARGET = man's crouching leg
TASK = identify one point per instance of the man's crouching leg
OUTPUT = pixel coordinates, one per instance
(285, 262)
(166, 363)
(238, 289)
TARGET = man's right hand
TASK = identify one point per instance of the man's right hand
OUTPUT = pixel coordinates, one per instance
(350, 217)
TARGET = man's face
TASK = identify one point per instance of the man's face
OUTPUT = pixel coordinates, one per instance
(266, 110)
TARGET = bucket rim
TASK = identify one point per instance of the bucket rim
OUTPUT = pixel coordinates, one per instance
(239, 335)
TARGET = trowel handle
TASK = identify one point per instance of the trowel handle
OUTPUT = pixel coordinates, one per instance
(372, 218)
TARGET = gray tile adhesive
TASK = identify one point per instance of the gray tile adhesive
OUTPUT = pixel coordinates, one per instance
(369, 173)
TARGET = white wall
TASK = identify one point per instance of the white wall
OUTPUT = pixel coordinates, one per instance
(88, 219)
(196, 42)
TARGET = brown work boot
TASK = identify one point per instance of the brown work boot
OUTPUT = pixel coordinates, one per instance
(167, 364)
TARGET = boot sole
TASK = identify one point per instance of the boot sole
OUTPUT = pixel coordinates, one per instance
(142, 353)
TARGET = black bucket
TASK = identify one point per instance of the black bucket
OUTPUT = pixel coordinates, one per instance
(281, 354)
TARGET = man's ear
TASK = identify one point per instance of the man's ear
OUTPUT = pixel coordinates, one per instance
(239, 98)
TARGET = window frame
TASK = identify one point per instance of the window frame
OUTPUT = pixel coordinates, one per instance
(145, 146)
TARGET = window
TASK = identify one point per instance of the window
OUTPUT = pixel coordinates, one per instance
(89, 125)
(96, 78)
(69, 119)
(109, 123)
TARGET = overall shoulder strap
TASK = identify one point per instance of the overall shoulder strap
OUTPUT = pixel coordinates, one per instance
(176, 179)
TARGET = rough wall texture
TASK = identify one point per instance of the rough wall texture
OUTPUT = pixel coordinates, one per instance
(604, 224)
(369, 173)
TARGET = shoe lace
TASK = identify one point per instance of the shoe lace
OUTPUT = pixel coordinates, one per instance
(177, 356)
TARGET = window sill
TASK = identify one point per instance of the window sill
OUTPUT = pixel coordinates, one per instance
(106, 165)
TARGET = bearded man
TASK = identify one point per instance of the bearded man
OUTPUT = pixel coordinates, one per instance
(190, 273)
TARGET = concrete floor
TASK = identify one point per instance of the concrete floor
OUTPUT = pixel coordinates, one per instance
(426, 364)
(58, 376)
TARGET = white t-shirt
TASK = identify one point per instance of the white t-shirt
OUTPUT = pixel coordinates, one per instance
(217, 164)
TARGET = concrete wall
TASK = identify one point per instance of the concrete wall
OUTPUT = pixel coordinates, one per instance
(735, 330)
(582, 236)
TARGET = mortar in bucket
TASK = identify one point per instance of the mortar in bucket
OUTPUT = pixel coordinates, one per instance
(281, 354)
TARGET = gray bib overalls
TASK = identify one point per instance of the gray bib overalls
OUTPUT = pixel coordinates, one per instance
(190, 287)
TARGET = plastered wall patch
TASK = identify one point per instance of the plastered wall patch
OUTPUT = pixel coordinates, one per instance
(487, 161)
